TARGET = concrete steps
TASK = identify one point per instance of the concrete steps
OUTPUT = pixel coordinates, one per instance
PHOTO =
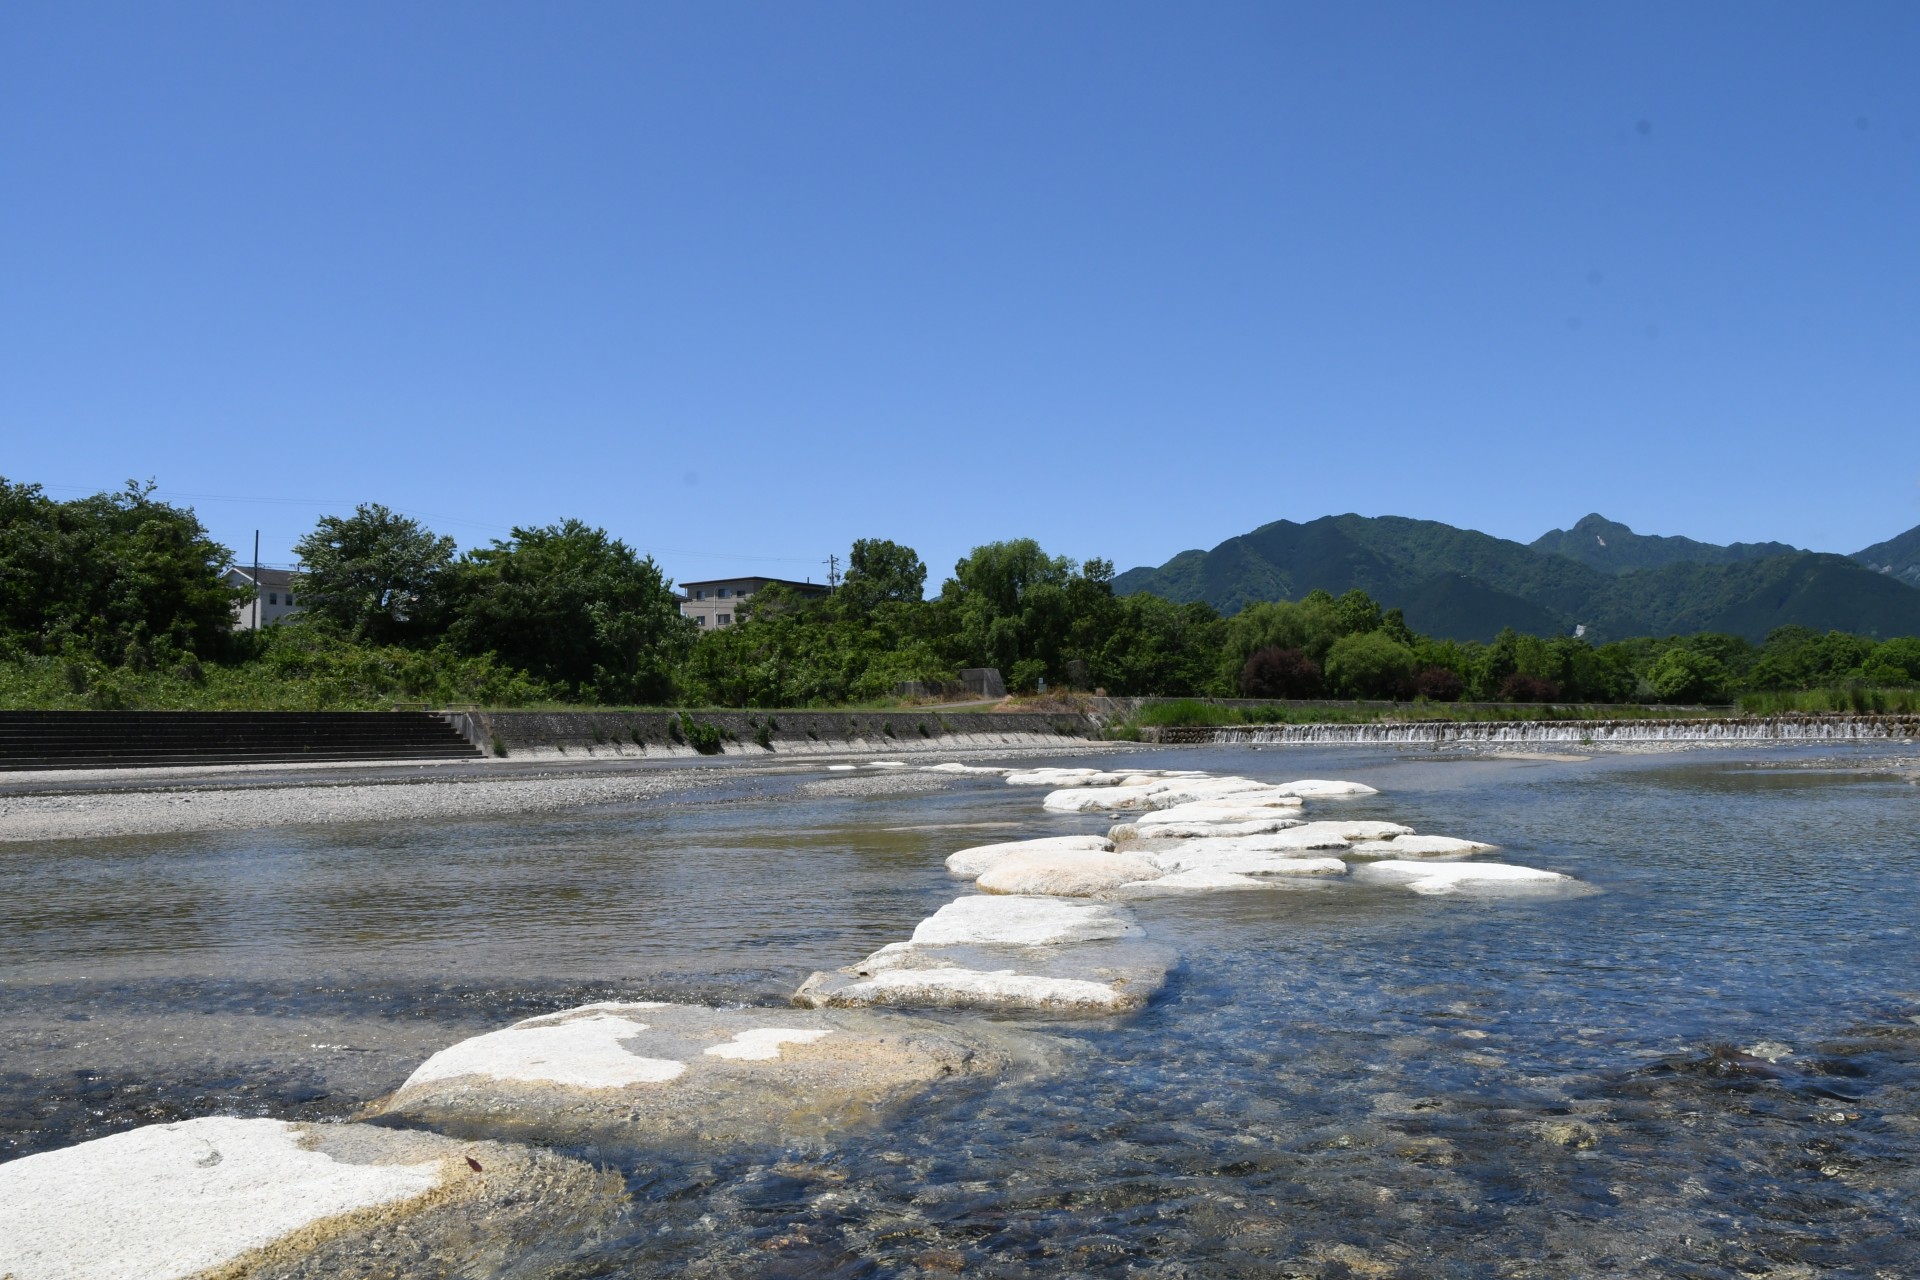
(147, 739)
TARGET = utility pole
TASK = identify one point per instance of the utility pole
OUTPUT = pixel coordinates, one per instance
(833, 573)
(256, 579)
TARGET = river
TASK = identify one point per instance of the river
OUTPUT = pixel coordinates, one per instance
(1710, 1067)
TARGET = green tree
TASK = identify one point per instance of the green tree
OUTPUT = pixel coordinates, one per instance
(881, 571)
(113, 578)
(1895, 661)
(1686, 675)
(376, 575)
(575, 607)
(1370, 664)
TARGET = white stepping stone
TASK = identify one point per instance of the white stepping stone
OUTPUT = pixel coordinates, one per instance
(1192, 830)
(1229, 810)
(971, 862)
(1353, 829)
(1412, 846)
(1064, 873)
(1009, 953)
(1325, 787)
(1241, 862)
(177, 1200)
(1204, 882)
(1455, 877)
(640, 1073)
(1046, 777)
(1023, 921)
(955, 987)
(956, 767)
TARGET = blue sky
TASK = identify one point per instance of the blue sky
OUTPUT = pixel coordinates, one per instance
(743, 283)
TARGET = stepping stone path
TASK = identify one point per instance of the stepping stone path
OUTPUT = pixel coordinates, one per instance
(1044, 935)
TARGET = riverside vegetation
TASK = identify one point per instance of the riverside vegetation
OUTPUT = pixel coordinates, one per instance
(117, 601)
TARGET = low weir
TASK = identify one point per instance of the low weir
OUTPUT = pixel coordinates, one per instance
(1810, 728)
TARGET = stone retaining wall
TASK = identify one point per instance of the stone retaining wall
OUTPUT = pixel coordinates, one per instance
(633, 734)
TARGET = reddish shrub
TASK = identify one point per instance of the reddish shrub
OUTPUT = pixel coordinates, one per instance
(1520, 687)
(1438, 684)
(1280, 673)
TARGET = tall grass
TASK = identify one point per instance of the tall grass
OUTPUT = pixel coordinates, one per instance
(1847, 699)
(1188, 711)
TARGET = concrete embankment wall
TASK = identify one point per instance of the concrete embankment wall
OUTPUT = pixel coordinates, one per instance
(634, 734)
(1730, 729)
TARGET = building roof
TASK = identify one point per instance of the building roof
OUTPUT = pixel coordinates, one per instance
(268, 577)
(803, 587)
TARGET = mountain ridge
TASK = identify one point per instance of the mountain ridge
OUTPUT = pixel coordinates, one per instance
(1467, 585)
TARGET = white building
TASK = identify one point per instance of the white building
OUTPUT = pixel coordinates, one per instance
(716, 603)
(271, 602)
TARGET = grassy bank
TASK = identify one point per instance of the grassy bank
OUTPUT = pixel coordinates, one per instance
(1851, 700)
(1194, 712)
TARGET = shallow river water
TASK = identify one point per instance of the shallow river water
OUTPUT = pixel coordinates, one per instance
(1709, 1067)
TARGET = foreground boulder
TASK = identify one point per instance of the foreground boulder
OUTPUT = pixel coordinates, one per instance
(971, 862)
(1010, 953)
(267, 1198)
(646, 1073)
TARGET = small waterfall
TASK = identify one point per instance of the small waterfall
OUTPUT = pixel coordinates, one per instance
(1580, 732)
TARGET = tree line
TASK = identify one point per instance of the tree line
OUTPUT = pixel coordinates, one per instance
(118, 599)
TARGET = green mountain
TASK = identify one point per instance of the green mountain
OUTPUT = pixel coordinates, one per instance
(1468, 585)
(1612, 547)
(1896, 557)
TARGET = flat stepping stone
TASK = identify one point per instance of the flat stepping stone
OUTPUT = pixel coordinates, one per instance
(646, 1073)
(1064, 873)
(1327, 787)
(1008, 953)
(1191, 829)
(1010, 921)
(1411, 846)
(1210, 882)
(1229, 860)
(1354, 829)
(971, 862)
(1456, 877)
(1095, 978)
(270, 1198)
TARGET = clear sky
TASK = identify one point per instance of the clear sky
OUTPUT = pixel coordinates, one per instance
(744, 282)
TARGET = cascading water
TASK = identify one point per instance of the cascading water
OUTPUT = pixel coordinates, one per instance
(1584, 732)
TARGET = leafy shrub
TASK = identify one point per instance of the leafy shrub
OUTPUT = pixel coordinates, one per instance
(1438, 684)
(1275, 672)
(701, 736)
(1521, 687)
(1683, 675)
(1370, 664)
(764, 736)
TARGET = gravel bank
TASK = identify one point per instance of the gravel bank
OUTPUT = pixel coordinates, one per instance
(115, 803)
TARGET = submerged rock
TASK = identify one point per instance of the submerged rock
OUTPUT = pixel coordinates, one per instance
(1412, 846)
(269, 1198)
(1065, 873)
(635, 1074)
(971, 862)
(1452, 877)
